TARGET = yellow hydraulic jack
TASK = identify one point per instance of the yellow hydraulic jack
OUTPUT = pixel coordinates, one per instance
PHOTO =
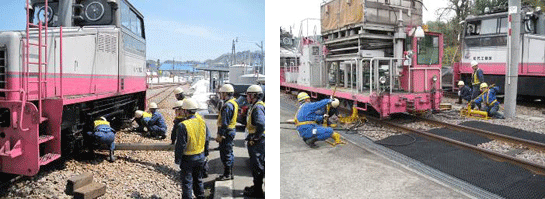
(352, 118)
(477, 114)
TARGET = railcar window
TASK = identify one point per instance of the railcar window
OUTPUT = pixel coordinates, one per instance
(428, 50)
(130, 20)
(503, 25)
(488, 26)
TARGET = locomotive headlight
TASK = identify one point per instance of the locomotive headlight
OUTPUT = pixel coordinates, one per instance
(434, 78)
(382, 79)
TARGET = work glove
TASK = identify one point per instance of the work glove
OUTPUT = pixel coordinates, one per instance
(219, 138)
(251, 143)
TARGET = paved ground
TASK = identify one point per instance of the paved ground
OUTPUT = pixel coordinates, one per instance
(347, 171)
(243, 175)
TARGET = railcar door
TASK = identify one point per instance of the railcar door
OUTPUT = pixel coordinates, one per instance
(132, 74)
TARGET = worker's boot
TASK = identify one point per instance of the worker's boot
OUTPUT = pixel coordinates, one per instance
(112, 157)
(337, 137)
(227, 174)
(311, 142)
(254, 192)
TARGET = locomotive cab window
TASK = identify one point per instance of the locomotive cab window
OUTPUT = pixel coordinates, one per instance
(428, 50)
(131, 21)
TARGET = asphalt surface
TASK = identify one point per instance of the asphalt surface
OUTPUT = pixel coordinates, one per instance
(347, 171)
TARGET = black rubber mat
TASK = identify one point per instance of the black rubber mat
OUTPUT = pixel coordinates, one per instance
(500, 178)
(506, 130)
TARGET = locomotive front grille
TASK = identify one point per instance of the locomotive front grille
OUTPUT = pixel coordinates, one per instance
(3, 70)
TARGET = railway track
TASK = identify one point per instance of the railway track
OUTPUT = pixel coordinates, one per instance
(536, 168)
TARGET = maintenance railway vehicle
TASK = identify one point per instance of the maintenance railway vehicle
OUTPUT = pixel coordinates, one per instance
(484, 39)
(77, 60)
(374, 61)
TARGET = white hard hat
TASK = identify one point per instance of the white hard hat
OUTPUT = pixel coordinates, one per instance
(254, 89)
(178, 90)
(335, 103)
(227, 88)
(189, 104)
(474, 63)
(461, 83)
(152, 105)
(138, 114)
(103, 118)
(178, 104)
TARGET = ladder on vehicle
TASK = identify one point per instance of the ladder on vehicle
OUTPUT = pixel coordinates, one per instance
(44, 137)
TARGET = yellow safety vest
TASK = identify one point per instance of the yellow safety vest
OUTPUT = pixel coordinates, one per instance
(196, 135)
(297, 123)
(233, 122)
(101, 122)
(488, 95)
(475, 78)
(249, 126)
(146, 115)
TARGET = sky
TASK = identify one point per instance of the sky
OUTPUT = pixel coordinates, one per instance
(302, 9)
(183, 30)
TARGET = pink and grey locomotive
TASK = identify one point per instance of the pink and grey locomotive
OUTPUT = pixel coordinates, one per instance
(76, 61)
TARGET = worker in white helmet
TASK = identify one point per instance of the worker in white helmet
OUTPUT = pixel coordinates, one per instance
(191, 148)
(156, 125)
(179, 93)
(464, 92)
(102, 136)
(255, 127)
(227, 120)
(477, 78)
(142, 118)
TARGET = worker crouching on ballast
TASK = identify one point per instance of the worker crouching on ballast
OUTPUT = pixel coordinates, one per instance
(156, 125)
(142, 118)
(255, 126)
(488, 96)
(464, 92)
(191, 148)
(227, 120)
(306, 117)
(102, 136)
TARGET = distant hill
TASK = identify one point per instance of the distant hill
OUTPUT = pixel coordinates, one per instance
(253, 58)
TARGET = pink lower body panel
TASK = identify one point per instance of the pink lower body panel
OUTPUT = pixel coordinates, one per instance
(385, 104)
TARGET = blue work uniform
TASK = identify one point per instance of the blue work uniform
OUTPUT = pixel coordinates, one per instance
(255, 126)
(143, 121)
(465, 93)
(305, 120)
(477, 78)
(191, 147)
(227, 121)
(103, 136)
(322, 111)
(156, 125)
(492, 105)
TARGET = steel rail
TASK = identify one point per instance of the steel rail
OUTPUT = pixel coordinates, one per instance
(492, 135)
(535, 168)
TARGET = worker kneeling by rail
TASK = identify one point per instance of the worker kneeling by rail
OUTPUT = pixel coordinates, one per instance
(306, 117)
(102, 136)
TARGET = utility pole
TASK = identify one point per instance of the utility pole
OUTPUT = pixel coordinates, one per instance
(513, 58)
(234, 53)
(262, 69)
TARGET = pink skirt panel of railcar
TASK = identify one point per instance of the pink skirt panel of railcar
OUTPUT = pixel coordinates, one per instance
(385, 105)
